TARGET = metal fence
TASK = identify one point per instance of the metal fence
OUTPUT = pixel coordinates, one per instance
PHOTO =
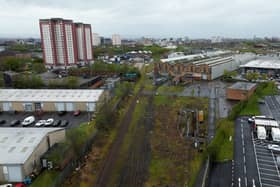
(73, 164)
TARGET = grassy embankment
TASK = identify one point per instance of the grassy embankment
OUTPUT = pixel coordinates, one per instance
(174, 161)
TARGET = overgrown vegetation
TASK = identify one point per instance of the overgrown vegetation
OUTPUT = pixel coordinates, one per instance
(28, 81)
(103, 68)
(174, 162)
(221, 147)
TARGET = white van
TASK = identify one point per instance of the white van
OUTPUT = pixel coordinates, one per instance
(261, 132)
(28, 121)
(275, 134)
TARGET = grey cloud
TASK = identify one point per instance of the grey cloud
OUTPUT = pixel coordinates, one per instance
(149, 17)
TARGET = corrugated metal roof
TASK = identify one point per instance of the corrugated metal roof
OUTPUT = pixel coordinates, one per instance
(15, 149)
(49, 95)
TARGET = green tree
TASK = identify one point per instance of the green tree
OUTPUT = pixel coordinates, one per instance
(123, 89)
(38, 68)
(105, 117)
(71, 82)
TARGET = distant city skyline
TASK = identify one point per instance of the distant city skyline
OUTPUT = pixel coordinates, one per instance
(134, 19)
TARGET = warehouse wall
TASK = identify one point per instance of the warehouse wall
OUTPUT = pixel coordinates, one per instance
(48, 107)
(218, 70)
(234, 94)
(18, 106)
(56, 136)
(80, 106)
(52, 137)
(2, 178)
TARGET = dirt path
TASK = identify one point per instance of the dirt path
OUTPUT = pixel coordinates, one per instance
(111, 158)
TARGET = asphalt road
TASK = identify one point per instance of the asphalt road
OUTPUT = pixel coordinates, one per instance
(245, 172)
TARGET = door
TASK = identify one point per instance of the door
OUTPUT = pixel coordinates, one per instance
(91, 107)
(14, 173)
(69, 107)
(7, 107)
(60, 107)
(38, 106)
(28, 107)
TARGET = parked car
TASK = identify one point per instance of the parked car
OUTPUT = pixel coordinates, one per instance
(77, 113)
(40, 123)
(61, 113)
(56, 123)
(49, 122)
(274, 147)
(2, 121)
(6, 185)
(28, 121)
(278, 161)
(64, 123)
(14, 123)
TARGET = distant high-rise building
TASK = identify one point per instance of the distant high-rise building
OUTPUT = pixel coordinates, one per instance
(84, 42)
(65, 43)
(116, 40)
(96, 39)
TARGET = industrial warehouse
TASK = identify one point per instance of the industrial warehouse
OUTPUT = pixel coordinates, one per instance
(208, 66)
(263, 65)
(21, 150)
(240, 91)
(49, 100)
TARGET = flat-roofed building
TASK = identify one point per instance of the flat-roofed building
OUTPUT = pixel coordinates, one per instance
(21, 149)
(263, 65)
(240, 91)
(50, 100)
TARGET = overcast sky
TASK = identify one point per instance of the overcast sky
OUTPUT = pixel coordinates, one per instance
(150, 18)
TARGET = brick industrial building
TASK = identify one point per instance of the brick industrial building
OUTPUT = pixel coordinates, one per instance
(65, 43)
(240, 91)
(204, 66)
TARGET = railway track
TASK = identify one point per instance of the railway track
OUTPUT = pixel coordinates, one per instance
(110, 161)
(135, 171)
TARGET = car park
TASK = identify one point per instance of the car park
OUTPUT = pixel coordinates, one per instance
(28, 121)
(15, 123)
(274, 147)
(2, 121)
(56, 123)
(61, 113)
(64, 123)
(40, 123)
(49, 122)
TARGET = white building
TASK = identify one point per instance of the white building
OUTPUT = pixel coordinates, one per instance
(116, 40)
(50, 100)
(96, 39)
(84, 42)
(65, 43)
(21, 149)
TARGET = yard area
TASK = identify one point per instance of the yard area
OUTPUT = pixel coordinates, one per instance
(174, 160)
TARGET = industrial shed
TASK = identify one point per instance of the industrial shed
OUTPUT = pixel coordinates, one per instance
(49, 100)
(208, 66)
(240, 91)
(21, 149)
